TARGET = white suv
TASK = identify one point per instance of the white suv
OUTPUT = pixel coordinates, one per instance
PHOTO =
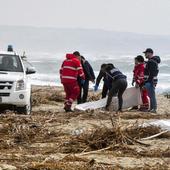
(15, 89)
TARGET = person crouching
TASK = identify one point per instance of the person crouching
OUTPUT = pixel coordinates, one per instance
(70, 70)
(118, 86)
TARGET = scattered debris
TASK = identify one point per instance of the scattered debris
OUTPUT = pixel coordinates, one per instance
(95, 140)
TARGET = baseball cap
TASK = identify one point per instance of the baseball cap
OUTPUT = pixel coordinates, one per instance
(148, 50)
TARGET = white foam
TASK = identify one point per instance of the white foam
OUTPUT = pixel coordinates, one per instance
(125, 62)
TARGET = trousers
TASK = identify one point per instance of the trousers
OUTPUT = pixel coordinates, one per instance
(84, 89)
(151, 92)
(72, 91)
(118, 88)
(145, 100)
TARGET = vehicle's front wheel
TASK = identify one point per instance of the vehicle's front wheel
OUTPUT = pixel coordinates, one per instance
(25, 109)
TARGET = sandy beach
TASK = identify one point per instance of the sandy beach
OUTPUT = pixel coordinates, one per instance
(51, 139)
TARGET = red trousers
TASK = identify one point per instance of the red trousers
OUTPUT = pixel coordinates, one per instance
(145, 99)
(72, 91)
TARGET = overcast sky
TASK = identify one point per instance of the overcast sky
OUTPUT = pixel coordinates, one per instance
(143, 16)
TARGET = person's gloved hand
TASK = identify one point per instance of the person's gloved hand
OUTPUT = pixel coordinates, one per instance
(82, 82)
(96, 87)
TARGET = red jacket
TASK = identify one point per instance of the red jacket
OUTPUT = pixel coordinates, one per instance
(138, 75)
(71, 69)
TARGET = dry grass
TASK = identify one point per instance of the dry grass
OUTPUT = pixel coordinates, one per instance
(50, 95)
(79, 164)
(144, 115)
(117, 138)
(28, 142)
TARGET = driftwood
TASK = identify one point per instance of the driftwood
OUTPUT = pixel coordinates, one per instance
(137, 141)
(154, 136)
(96, 151)
(109, 147)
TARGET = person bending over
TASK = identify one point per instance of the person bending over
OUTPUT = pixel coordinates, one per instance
(106, 84)
(118, 85)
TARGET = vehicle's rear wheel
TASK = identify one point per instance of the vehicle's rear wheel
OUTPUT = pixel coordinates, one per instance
(25, 109)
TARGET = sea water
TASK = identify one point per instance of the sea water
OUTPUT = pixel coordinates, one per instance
(48, 65)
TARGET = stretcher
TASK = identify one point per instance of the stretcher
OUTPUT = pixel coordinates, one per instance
(131, 97)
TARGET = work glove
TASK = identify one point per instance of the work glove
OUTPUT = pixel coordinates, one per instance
(96, 87)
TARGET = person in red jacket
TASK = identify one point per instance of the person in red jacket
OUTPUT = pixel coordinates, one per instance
(138, 79)
(70, 70)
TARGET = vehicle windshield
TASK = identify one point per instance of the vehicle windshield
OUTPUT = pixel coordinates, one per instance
(10, 63)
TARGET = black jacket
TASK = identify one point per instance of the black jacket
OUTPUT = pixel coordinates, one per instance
(152, 70)
(116, 74)
(109, 77)
(88, 71)
(113, 75)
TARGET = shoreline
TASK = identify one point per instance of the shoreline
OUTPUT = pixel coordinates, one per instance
(166, 92)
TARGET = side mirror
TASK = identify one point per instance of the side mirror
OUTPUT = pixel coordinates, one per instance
(30, 70)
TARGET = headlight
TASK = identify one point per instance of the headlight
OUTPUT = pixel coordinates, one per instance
(20, 85)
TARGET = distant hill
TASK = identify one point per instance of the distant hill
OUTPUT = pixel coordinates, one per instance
(86, 40)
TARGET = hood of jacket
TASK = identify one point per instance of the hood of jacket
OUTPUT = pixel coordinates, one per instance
(157, 59)
(70, 56)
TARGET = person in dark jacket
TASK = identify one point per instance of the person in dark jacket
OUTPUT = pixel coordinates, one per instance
(150, 76)
(89, 76)
(118, 84)
(102, 74)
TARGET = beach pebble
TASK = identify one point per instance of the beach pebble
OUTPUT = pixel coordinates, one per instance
(77, 131)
